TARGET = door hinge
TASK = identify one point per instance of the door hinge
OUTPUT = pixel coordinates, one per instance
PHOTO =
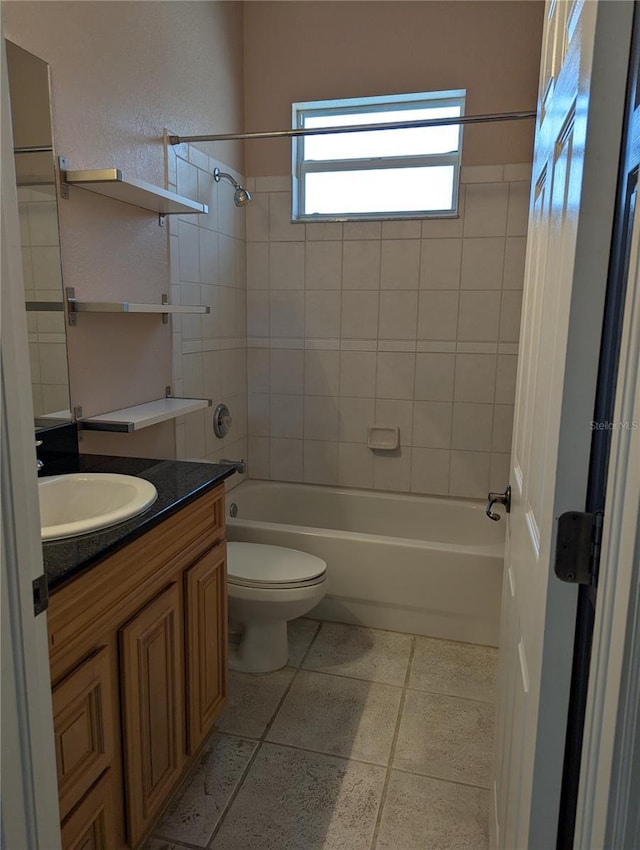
(40, 595)
(578, 546)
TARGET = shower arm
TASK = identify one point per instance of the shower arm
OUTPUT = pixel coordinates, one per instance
(355, 128)
(219, 175)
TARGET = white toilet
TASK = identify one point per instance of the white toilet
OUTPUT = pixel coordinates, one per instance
(267, 586)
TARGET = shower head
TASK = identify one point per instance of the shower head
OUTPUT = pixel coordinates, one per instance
(241, 196)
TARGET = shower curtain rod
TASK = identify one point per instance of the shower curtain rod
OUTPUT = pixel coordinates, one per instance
(356, 128)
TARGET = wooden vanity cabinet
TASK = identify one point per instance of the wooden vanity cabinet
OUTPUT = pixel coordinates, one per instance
(92, 825)
(152, 682)
(206, 637)
(138, 651)
(83, 723)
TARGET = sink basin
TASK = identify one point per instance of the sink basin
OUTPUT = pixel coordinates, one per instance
(81, 502)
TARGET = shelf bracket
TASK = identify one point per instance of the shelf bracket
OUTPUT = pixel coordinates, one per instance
(64, 186)
(72, 316)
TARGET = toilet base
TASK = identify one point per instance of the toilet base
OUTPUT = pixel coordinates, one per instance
(263, 648)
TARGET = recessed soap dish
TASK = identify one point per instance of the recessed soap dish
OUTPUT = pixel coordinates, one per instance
(383, 437)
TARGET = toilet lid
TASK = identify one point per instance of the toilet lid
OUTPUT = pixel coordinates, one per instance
(259, 564)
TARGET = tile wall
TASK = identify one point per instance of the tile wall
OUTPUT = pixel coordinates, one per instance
(207, 254)
(411, 323)
(43, 282)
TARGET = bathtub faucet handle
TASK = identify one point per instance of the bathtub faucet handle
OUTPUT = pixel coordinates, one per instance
(503, 499)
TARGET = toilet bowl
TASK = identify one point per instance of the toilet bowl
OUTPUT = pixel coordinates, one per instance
(267, 586)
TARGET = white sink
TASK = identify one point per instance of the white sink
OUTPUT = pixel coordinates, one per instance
(81, 502)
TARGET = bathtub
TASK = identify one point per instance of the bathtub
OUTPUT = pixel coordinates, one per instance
(415, 564)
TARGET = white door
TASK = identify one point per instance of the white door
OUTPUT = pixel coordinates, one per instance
(580, 110)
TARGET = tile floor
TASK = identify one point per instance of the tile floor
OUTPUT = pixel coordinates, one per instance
(368, 740)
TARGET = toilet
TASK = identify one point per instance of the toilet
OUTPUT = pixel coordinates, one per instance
(267, 586)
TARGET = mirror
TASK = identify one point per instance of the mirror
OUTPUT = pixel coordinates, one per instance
(39, 234)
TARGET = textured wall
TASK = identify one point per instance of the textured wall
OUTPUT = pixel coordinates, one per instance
(315, 50)
(121, 72)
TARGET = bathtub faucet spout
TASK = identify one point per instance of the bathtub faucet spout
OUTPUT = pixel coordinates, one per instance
(240, 465)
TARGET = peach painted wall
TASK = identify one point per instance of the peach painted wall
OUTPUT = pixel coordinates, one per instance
(120, 73)
(308, 50)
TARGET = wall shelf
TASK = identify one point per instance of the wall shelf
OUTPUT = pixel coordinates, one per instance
(143, 415)
(44, 306)
(112, 183)
(163, 308)
(129, 307)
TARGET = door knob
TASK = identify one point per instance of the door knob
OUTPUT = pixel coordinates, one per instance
(501, 498)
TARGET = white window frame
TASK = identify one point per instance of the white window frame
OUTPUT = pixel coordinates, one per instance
(355, 105)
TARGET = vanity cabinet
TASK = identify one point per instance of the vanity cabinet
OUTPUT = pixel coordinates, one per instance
(151, 652)
(83, 723)
(206, 606)
(138, 652)
(92, 825)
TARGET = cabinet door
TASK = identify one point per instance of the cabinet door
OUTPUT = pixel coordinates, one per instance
(206, 635)
(92, 825)
(152, 704)
(83, 725)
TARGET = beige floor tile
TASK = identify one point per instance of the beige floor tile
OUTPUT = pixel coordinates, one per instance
(160, 844)
(421, 813)
(457, 669)
(338, 716)
(446, 737)
(296, 800)
(253, 699)
(301, 632)
(370, 654)
(195, 813)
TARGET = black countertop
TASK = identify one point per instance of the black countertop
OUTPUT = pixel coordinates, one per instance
(177, 483)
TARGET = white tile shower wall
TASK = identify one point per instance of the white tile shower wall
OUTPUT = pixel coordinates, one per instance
(410, 323)
(208, 268)
(43, 282)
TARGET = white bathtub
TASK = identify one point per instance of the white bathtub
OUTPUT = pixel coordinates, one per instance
(414, 564)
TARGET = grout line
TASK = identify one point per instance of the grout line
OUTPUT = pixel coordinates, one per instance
(260, 741)
(442, 779)
(352, 678)
(392, 751)
(286, 692)
(452, 696)
(233, 795)
(173, 842)
(325, 754)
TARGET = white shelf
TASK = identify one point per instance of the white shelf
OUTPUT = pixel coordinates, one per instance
(57, 416)
(112, 183)
(76, 306)
(143, 415)
(129, 307)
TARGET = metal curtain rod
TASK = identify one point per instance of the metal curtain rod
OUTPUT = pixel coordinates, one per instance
(356, 128)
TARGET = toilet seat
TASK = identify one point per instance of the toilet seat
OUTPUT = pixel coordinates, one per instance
(263, 566)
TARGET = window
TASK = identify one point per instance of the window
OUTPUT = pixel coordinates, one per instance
(406, 173)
